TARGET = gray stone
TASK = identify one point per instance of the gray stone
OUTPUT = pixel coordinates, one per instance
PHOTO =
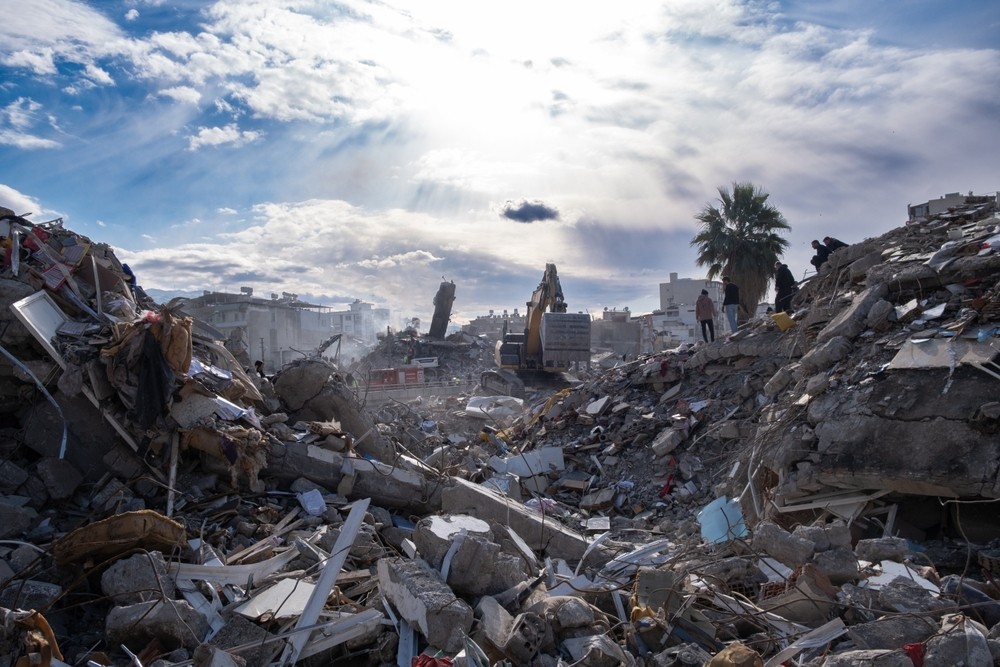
(875, 658)
(419, 596)
(839, 565)
(434, 534)
(880, 312)
(29, 594)
(860, 267)
(891, 632)
(139, 578)
(241, 631)
(815, 534)
(302, 382)
(906, 596)
(778, 543)
(850, 322)
(879, 549)
(824, 355)
(666, 441)
(472, 566)
(14, 520)
(11, 476)
(175, 623)
(61, 477)
(540, 532)
(781, 379)
(958, 643)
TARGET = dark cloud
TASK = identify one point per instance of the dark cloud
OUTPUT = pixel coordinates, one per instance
(528, 211)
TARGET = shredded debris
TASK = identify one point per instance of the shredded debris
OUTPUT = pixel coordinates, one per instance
(818, 490)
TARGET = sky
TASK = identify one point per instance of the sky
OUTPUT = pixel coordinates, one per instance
(371, 149)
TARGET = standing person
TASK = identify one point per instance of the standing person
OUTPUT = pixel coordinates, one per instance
(822, 254)
(704, 311)
(784, 285)
(731, 302)
(258, 366)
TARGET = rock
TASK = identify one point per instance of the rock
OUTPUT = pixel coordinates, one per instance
(780, 544)
(175, 623)
(139, 578)
(426, 602)
(882, 548)
(61, 477)
(874, 658)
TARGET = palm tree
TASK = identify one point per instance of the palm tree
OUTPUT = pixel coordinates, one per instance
(740, 240)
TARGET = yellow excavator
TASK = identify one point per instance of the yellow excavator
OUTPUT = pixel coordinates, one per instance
(551, 342)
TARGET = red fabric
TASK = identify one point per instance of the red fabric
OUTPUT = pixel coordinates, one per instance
(915, 652)
(424, 660)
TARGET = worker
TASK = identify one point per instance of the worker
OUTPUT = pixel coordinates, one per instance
(784, 285)
(833, 244)
(822, 254)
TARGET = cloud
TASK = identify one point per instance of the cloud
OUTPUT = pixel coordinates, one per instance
(525, 211)
(185, 94)
(218, 136)
(23, 204)
(226, 211)
(132, 15)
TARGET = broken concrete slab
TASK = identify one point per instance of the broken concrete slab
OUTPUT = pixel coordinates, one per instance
(175, 623)
(139, 578)
(543, 534)
(420, 597)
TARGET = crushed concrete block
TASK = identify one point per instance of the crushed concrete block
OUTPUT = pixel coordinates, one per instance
(850, 321)
(494, 624)
(891, 632)
(778, 543)
(840, 565)
(666, 441)
(599, 500)
(61, 477)
(14, 519)
(139, 578)
(596, 408)
(175, 623)
(30, 594)
(473, 565)
(418, 594)
(298, 384)
(959, 642)
(433, 535)
(206, 655)
(906, 596)
(242, 632)
(886, 658)
(815, 534)
(860, 267)
(526, 636)
(823, 356)
(11, 476)
(542, 533)
(878, 549)
(879, 313)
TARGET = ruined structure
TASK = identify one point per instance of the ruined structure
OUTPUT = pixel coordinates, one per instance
(816, 491)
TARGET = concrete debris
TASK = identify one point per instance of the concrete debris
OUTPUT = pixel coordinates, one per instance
(819, 494)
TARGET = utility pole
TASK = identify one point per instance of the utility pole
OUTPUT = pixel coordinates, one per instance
(262, 350)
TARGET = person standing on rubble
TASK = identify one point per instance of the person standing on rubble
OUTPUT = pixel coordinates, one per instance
(258, 367)
(704, 311)
(784, 285)
(730, 303)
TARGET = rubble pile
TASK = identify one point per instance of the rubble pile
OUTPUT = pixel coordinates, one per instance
(815, 490)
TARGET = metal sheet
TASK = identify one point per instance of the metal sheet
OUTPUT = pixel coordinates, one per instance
(942, 353)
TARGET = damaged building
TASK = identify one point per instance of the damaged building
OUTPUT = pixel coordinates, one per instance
(816, 490)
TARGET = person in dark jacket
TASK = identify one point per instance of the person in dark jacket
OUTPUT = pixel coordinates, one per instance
(784, 285)
(833, 244)
(731, 303)
(822, 254)
(704, 311)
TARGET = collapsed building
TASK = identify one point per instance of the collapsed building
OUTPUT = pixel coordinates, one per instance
(813, 490)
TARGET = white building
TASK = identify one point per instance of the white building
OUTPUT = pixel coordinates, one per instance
(675, 321)
(281, 329)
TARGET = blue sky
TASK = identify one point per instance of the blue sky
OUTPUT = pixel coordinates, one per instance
(364, 150)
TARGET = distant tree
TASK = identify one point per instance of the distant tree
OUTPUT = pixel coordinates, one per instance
(740, 239)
